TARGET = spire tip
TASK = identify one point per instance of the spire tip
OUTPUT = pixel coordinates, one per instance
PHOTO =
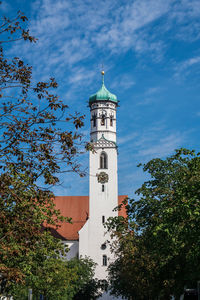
(102, 73)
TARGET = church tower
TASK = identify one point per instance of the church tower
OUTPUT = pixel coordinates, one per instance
(103, 181)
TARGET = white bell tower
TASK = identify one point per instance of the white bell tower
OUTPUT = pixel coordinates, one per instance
(103, 189)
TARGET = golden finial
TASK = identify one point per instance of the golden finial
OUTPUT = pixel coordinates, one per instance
(102, 72)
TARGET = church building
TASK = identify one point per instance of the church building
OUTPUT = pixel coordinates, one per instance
(87, 235)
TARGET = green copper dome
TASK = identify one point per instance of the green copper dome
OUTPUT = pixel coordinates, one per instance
(103, 94)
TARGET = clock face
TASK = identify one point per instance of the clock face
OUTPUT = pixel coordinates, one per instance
(102, 177)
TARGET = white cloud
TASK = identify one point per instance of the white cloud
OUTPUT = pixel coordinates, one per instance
(185, 8)
(123, 33)
(163, 147)
(150, 96)
(70, 32)
(73, 32)
(147, 101)
(152, 90)
(141, 147)
(190, 62)
(127, 138)
(79, 75)
(124, 81)
(148, 143)
(184, 68)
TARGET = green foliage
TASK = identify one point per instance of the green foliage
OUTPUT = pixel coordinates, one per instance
(158, 250)
(92, 290)
(57, 279)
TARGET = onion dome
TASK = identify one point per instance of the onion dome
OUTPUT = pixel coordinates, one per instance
(103, 94)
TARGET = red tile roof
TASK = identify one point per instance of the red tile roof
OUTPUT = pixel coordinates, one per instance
(76, 207)
(122, 212)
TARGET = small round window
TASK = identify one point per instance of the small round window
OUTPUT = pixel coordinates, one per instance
(103, 246)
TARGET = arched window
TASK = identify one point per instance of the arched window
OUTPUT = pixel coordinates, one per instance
(103, 161)
(103, 118)
(104, 260)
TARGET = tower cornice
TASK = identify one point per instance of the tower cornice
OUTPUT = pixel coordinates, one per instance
(104, 143)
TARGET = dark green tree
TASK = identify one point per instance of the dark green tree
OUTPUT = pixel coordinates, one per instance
(58, 279)
(158, 249)
(92, 289)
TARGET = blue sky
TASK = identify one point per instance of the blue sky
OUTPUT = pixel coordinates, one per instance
(151, 55)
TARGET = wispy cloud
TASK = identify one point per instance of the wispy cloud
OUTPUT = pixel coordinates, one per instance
(150, 96)
(147, 101)
(80, 75)
(186, 13)
(74, 32)
(124, 81)
(190, 62)
(142, 146)
(152, 90)
(151, 142)
(127, 138)
(123, 33)
(163, 147)
(184, 68)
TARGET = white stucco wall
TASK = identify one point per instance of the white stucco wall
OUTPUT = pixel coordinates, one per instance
(101, 203)
(84, 240)
(73, 249)
(93, 234)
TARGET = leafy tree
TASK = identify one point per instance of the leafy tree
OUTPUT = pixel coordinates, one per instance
(92, 289)
(37, 135)
(158, 249)
(57, 279)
